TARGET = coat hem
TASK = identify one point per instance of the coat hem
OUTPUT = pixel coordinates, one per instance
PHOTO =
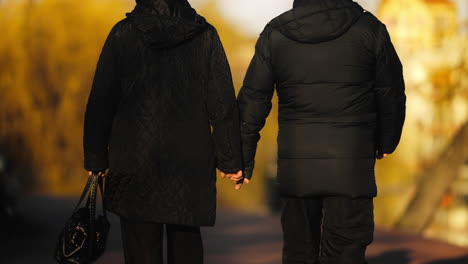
(160, 221)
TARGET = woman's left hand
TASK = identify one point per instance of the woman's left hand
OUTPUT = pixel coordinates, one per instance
(99, 173)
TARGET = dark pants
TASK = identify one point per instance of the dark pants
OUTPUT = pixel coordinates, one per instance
(327, 230)
(143, 243)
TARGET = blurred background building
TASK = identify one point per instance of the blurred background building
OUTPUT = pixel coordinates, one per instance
(48, 53)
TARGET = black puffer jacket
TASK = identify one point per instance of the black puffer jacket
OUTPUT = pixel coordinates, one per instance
(162, 79)
(341, 97)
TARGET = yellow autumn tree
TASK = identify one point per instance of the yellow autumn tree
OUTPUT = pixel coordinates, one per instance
(48, 53)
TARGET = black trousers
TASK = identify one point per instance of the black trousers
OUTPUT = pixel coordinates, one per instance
(143, 243)
(327, 230)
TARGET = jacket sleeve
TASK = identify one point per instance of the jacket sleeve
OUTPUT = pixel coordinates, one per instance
(101, 107)
(223, 111)
(390, 94)
(255, 101)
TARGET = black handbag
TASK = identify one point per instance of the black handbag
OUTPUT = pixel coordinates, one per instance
(83, 239)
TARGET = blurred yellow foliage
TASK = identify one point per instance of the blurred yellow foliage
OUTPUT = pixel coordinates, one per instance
(48, 53)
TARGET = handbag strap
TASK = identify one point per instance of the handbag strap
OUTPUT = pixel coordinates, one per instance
(92, 212)
(84, 193)
(92, 198)
(101, 189)
(97, 183)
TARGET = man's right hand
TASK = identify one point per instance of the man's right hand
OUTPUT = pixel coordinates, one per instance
(237, 178)
(241, 182)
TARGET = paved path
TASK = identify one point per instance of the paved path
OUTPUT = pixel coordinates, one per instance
(238, 238)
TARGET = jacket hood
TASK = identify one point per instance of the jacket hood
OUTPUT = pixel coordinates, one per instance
(314, 21)
(166, 23)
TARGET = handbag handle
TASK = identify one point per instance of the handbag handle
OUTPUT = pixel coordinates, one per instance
(85, 192)
(101, 189)
(94, 181)
(92, 199)
(91, 204)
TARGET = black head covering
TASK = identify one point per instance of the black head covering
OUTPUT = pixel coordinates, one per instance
(167, 7)
(166, 23)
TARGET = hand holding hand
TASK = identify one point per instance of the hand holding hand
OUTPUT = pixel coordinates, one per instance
(236, 178)
(241, 182)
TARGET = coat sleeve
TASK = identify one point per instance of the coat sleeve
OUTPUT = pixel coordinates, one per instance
(223, 111)
(101, 107)
(390, 94)
(255, 101)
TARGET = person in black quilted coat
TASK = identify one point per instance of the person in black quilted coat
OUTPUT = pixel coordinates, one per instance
(341, 105)
(162, 116)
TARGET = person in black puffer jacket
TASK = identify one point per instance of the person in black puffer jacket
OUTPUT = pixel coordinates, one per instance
(161, 117)
(341, 105)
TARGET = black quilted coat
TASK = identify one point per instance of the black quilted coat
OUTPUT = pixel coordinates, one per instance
(162, 115)
(341, 97)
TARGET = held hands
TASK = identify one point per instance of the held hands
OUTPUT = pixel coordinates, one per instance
(236, 178)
